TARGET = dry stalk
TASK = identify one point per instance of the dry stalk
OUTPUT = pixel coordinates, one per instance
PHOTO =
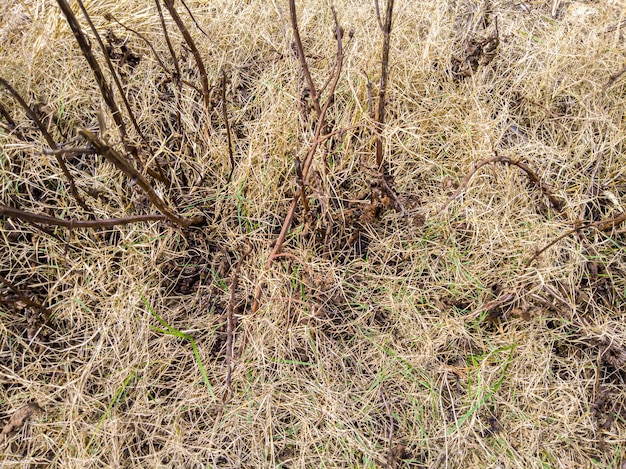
(206, 93)
(166, 34)
(613, 79)
(193, 18)
(121, 163)
(177, 76)
(51, 143)
(230, 328)
(601, 225)
(380, 113)
(85, 47)
(29, 217)
(302, 57)
(321, 124)
(228, 132)
(311, 153)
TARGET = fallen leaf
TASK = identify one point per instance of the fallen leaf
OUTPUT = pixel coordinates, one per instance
(18, 419)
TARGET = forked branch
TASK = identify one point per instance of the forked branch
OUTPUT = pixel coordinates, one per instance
(303, 171)
(311, 153)
(121, 163)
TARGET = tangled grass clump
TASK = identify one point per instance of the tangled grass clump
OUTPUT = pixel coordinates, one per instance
(290, 234)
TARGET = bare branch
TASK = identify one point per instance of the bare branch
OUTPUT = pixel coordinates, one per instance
(545, 188)
(29, 217)
(206, 93)
(302, 57)
(380, 113)
(228, 132)
(121, 163)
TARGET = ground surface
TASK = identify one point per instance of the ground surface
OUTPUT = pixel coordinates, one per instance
(394, 330)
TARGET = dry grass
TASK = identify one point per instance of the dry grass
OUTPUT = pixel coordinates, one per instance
(385, 341)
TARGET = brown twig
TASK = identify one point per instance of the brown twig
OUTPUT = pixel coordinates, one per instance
(228, 132)
(206, 93)
(601, 225)
(302, 57)
(121, 163)
(380, 113)
(378, 18)
(194, 19)
(613, 79)
(301, 186)
(85, 47)
(230, 327)
(168, 41)
(556, 203)
(51, 143)
(178, 77)
(370, 105)
(29, 217)
(24, 299)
